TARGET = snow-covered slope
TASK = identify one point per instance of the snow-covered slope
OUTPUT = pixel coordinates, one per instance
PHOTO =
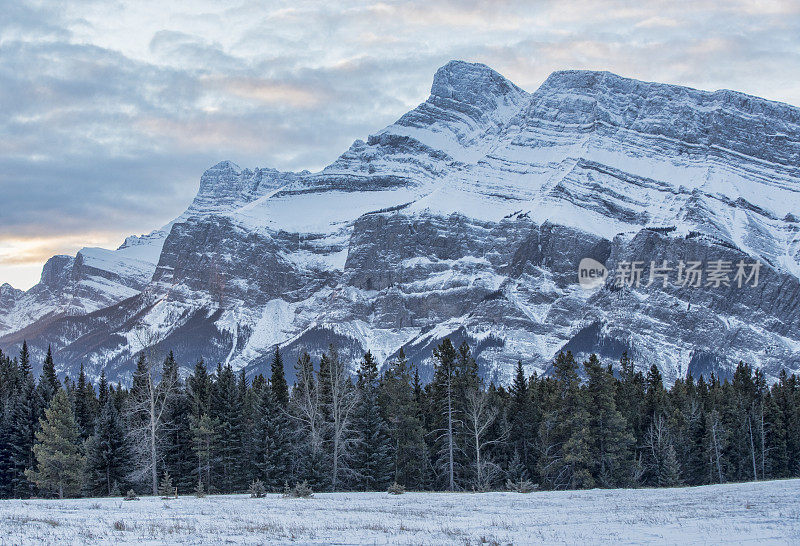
(467, 218)
(764, 512)
(93, 279)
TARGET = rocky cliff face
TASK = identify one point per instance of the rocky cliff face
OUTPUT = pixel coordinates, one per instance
(467, 218)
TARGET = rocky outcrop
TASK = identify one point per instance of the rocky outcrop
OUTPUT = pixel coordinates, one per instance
(467, 218)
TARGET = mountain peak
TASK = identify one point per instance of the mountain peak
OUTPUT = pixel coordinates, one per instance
(226, 166)
(223, 179)
(471, 83)
(603, 79)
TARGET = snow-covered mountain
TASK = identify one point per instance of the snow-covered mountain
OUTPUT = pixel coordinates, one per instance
(93, 279)
(466, 218)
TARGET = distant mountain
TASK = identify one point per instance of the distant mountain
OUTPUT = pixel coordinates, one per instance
(466, 218)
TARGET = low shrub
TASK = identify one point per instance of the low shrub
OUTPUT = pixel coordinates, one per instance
(300, 491)
(257, 490)
(521, 486)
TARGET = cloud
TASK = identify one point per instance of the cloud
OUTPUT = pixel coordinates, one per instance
(35, 250)
(109, 112)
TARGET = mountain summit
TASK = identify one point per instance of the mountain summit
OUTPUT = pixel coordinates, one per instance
(466, 218)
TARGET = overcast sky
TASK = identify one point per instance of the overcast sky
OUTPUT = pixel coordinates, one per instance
(110, 111)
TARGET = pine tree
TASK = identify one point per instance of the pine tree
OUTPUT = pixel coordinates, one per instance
(669, 472)
(226, 409)
(202, 428)
(25, 360)
(787, 397)
(260, 443)
(49, 376)
(656, 396)
(276, 426)
(5, 447)
(566, 457)
(373, 461)
(59, 456)
(630, 397)
(25, 412)
(522, 420)
(165, 486)
(253, 437)
(575, 450)
(108, 456)
(444, 392)
(83, 415)
(277, 381)
(402, 413)
(177, 455)
(102, 389)
(697, 468)
(611, 437)
(776, 455)
(278, 429)
(205, 435)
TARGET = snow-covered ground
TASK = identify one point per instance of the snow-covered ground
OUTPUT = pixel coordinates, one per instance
(764, 513)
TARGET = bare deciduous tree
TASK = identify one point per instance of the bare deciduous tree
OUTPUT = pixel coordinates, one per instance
(146, 407)
(343, 401)
(306, 405)
(480, 414)
(716, 444)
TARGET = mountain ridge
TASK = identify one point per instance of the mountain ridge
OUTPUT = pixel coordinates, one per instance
(263, 257)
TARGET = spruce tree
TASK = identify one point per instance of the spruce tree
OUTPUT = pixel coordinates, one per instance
(777, 443)
(205, 435)
(697, 467)
(165, 486)
(25, 360)
(102, 389)
(252, 420)
(669, 472)
(278, 428)
(202, 428)
(564, 433)
(260, 401)
(787, 395)
(25, 412)
(402, 413)
(630, 396)
(444, 390)
(373, 461)
(576, 454)
(277, 381)
(611, 438)
(108, 454)
(5, 450)
(58, 451)
(81, 406)
(49, 376)
(522, 420)
(177, 455)
(226, 409)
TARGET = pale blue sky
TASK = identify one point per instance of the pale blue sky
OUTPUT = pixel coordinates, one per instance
(110, 111)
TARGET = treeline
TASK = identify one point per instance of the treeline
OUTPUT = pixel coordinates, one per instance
(582, 426)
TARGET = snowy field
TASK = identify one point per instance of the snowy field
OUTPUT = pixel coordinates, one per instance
(764, 513)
